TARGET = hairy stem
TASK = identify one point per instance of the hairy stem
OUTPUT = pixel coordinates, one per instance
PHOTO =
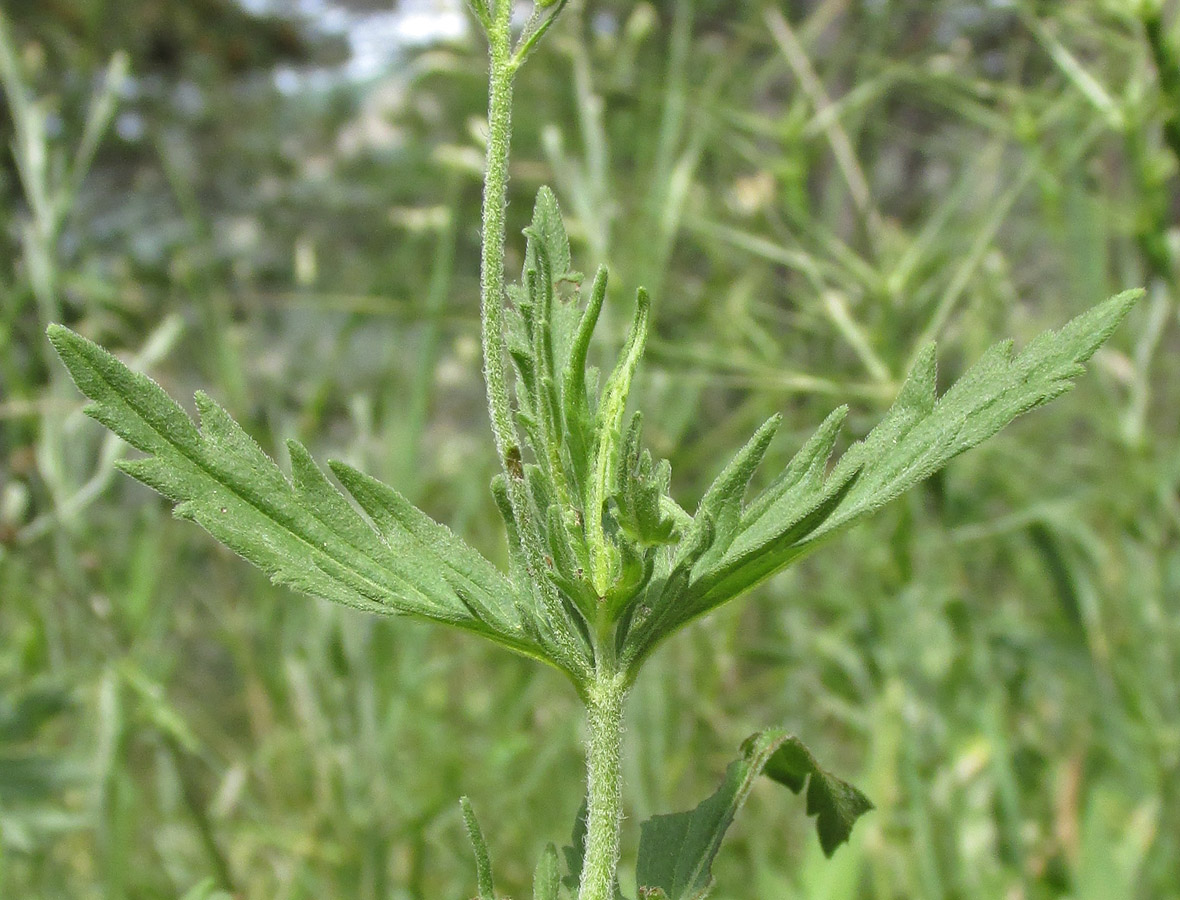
(604, 707)
(571, 655)
(605, 692)
(492, 259)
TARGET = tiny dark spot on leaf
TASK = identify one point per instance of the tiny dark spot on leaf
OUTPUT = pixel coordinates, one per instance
(512, 462)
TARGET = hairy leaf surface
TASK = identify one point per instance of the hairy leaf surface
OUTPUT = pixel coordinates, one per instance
(483, 860)
(919, 435)
(302, 531)
(547, 876)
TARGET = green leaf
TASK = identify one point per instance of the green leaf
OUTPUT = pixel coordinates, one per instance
(722, 502)
(641, 487)
(579, 422)
(547, 877)
(835, 804)
(528, 41)
(517, 566)
(676, 851)
(483, 861)
(302, 532)
(407, 530)
(736, 572)
(603, 555)
(575, 851)
(547, 231)
(787, 495)
(542, 328)
(703, 542)
(919, 435)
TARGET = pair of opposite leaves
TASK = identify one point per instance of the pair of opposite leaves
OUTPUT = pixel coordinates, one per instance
(304, 533)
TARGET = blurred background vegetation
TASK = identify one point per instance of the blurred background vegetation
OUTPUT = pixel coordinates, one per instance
(279, 202)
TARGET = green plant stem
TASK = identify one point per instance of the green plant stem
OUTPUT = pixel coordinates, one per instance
(494, 226)
(604, 708)
(604, 695)
(492, 301)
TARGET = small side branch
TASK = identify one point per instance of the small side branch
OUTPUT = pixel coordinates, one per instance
(533, 34)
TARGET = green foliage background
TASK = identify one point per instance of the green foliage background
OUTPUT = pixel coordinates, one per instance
(809, 191)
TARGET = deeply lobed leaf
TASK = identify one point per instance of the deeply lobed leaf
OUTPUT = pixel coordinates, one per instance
(919, 435)
(614, 557)
(676, 851)
(302, 532)
(835, 803)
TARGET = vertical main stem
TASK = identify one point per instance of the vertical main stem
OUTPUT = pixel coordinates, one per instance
(607, 688)
(492, 259)
(604, 706)
(564, 644)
